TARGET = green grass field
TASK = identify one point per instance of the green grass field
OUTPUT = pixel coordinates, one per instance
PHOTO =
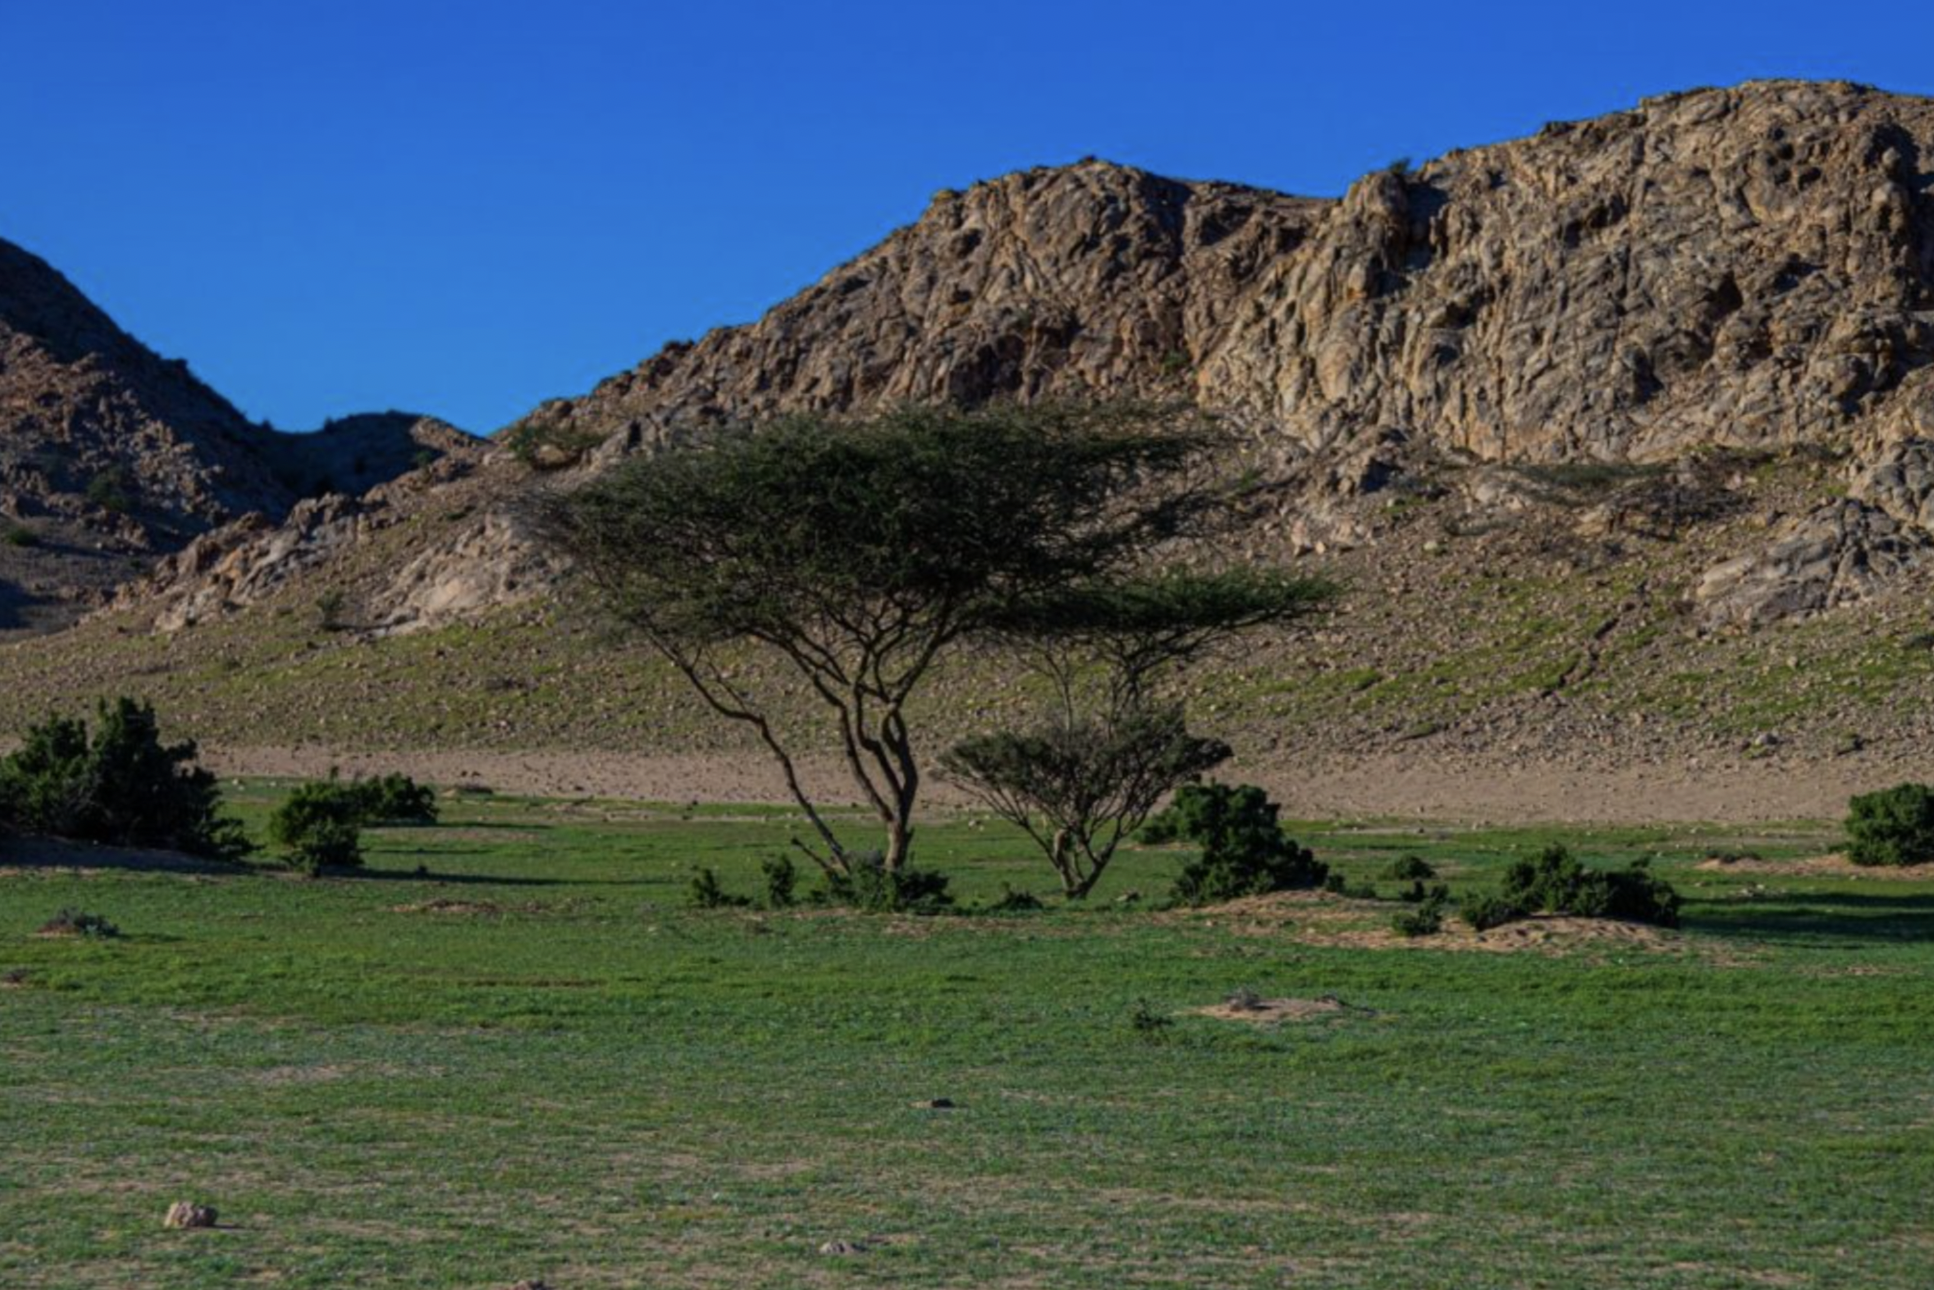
(562, 1072)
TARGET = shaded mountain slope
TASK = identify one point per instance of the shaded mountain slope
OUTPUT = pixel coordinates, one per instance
(110, 454)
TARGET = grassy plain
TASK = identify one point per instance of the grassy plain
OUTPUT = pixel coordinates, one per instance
(531, 1059)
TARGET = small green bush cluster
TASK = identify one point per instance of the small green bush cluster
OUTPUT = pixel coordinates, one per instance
(19, 535)
(117, 784)
(782, 882)
(545, 442)
(1894, 826)
(1556, 883)
(1410, 869)
(109, 490)
(395, 799)
(1244, 849)
(1427, 918)
(319, 825)
(1145, 1021)
(1015, 900)
(1488, 911)
(706, 893)
(868, 885)
(74, 922)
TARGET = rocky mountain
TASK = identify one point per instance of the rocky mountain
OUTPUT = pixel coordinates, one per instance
(1670, 367)
(110, 454)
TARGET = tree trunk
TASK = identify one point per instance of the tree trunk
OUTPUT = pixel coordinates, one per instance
(899, 841)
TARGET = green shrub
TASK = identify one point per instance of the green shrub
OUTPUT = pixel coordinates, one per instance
(319, 826)
(1339, 884)
(1488, 911)
(782, 881)
(120, 785)
(109, 489)
(73, 922)
(1427, 919)
(869, 885)
(1244, 850)
(395, 799)
(19, 535)
(546, 441)
(1014, 900)
(1146, 1022)
(1556, 883)
(330, 606)
(1410, 869)
(1892, 827)
(706, 893)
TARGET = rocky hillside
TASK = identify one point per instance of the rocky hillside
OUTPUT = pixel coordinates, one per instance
(1668, 369)
(110, 454)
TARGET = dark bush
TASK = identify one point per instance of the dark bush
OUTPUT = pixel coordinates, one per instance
(1556, 883)
(1427, 919)
(1892, 827)
(330, 606)
(1488, 911)
(1410, 869)
(19, 535)
(1339, 884)
(109, 489)
(1146, 1021)
(706, 893)
(546, 441)
(121, 786)
(319, 826)
(395, 799)
(73, 922)
(871, 886)
(782, 881)
(1014, 900)
(1244, 850)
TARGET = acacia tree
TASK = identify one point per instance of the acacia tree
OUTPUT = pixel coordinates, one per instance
(859, 553)
(1091, 772)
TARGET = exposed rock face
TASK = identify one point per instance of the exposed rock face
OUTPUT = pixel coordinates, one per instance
(80, 399)
(109, 453)
(1841, 552)
(248, 561)
(1091, 280)
(1741, 267)
(1750, 268)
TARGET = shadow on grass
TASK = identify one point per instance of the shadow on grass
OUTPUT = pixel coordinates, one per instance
(57, 853)
(1845, 916)
(432, 875)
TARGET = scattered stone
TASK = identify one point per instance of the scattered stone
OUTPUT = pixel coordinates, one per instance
(186, 1214)
(840, 1249)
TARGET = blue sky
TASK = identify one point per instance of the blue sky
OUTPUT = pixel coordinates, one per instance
(466, 208)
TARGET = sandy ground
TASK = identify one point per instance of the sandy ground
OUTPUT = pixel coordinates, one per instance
(1415, 787)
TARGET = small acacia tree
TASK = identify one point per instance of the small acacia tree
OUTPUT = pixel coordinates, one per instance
(1093, 769)
(859, 553)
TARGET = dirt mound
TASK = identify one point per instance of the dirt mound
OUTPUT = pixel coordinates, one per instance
(1268, 1012)
(464, 907)
(1833, 865)
(1322, 918)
